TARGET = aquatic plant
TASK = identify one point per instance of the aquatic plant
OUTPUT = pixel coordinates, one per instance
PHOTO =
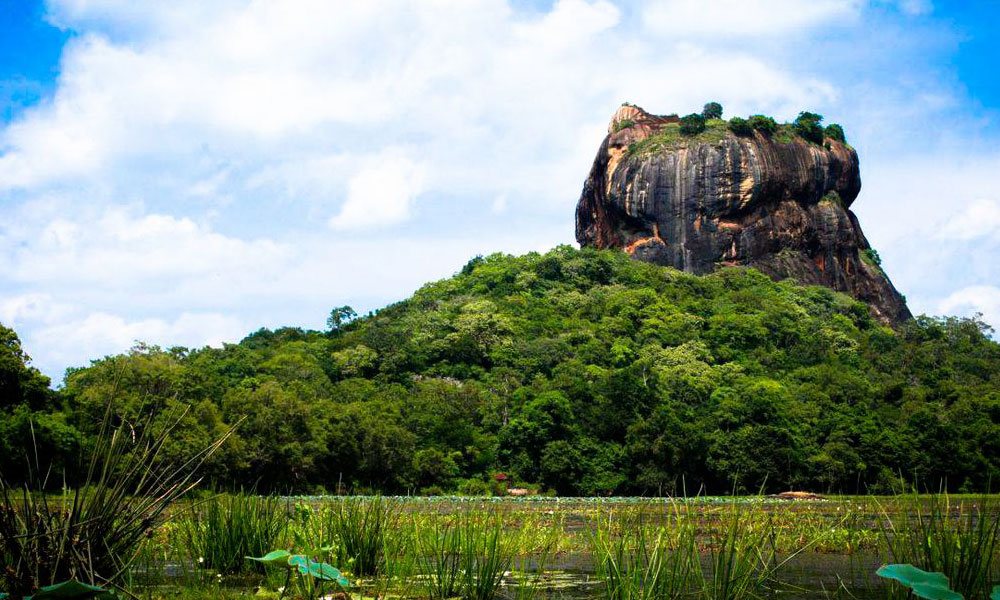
(360, 525)
(957, 538)
(310, 574)
(924, 584)
(66, 590)
(636, 562)
(219, 531)
(94, 532)
(465, 556)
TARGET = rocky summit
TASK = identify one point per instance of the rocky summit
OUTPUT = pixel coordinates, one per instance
(767, 199)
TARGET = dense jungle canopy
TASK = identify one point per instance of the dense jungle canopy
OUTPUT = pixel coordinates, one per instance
(580, 371)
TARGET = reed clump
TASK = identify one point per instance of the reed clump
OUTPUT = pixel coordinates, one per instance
(93, 533)
(960, 538)
(220, 531)
(464, 556)
(635, 561)
(361, 526)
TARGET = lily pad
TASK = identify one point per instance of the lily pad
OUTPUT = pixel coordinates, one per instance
(933, 592)
(321, 570)
(925, 584)
(69, 589)
(274, 557)
(301, 561)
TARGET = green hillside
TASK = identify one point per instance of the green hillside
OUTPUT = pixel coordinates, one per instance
(582, 371)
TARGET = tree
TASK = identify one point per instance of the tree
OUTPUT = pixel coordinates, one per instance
(808, 125)
(20, 384)
(692, 124)
(712, 110)
(763, 124)
(740, 126)
(339, 317)
(836, 132)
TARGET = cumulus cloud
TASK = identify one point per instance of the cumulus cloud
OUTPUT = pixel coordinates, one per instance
(122, 248)
(978, 219)
(99, 334)
(976, 299)
(745, 17)
(206, 166)
(381, 193)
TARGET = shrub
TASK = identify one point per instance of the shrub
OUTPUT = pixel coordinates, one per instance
(712, 110)
(692, 124)
(870, 256)
(763, 124)
(623, 124)
(807, 125)
(474, 487)
(836, 132)
(740, 126)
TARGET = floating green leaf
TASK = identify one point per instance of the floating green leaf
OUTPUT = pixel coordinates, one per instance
(274, 557)
(925, 584)
(996, 593)
(69, 589)
(301, 561)
(932, 592)
(321, 570)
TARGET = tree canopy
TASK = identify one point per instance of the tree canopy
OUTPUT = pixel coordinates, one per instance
(582, 371)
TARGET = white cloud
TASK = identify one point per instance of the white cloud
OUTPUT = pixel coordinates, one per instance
(745, 17)
(487, 94)
(916, 7)
(121, 249)
(98, 334)
(29, 307)
(381, 193)
(968, 301)
(196, 155)
(978, 219)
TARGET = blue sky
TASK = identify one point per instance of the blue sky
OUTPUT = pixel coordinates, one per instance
(186, 172)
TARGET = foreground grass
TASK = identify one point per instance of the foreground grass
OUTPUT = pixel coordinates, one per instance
(703, 548)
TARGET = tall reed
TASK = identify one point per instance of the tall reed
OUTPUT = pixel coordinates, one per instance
(361, 525)
(220, 531)
(958, 538)
(93, 533)
(464, 556)
(636, 561)
(742, 555)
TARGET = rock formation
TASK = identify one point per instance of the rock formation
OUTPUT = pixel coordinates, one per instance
(775, 202)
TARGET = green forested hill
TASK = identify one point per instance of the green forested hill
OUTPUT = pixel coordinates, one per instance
(582, 371)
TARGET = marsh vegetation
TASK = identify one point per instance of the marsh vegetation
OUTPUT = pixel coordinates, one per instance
(707, 548)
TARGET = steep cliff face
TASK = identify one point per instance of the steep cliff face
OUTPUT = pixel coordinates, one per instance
(776, 202)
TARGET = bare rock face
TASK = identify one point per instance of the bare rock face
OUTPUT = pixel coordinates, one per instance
(777, 203)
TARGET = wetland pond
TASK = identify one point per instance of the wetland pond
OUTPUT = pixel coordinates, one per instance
(547, 548)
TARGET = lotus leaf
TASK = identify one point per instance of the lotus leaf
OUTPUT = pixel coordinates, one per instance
(933, 592)
(274, 557)
(324, 571)
(925, 584)
(69, 589)
(301, 561)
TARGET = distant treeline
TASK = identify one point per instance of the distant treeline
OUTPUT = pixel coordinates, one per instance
(581, 371)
